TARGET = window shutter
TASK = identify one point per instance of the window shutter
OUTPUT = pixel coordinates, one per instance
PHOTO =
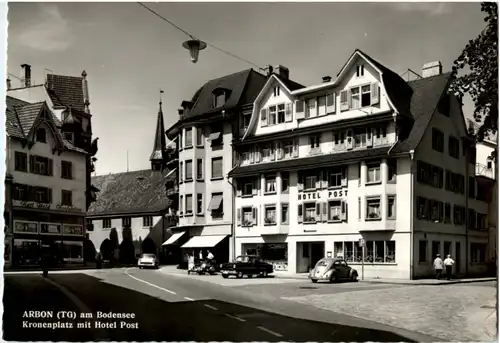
(343, 215)
(255, 186)
(296, 148)
(288, 112)
(299, 109)
(50, 167)
(324, 216)
(349, 140)
(324, 180)
(344, 177)
(330, 103)
(254, 215)
(369, 137)
(299, 213)
(258, 155)
(273, 151)
(344, 105)
(318, 212)
(49, 195)
(280, 150)
(440, 211)
(32, 164)
(239, 187)
(239, 216)
(300, 182)
(263, 117)
(375, 92)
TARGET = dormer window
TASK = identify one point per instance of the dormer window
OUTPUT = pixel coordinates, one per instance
(41, 135)
(360, 70)
(219, 97)
(69, 136)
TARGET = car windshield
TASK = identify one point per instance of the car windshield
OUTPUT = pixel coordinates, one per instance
(242, 259)
(322, 263)
(148, 256)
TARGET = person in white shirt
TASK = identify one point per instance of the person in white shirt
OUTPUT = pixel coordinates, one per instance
(448, 263)
(210, 256)
(438, 266)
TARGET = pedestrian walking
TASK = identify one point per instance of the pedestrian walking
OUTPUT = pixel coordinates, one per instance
(448, 263)
(190, 262)
(438, 266)
(201, 256)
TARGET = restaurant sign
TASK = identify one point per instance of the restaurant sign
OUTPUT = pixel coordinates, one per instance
(338, 193)
(44, 206)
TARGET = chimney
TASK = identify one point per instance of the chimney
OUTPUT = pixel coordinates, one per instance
(269, 70)
(282, 71)
(327, 79)
(9, 85)
(432, 69)
(181, 112)
(85, 89)
(26, 75)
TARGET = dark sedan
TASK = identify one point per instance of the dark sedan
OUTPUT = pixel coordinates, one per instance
(246, 265)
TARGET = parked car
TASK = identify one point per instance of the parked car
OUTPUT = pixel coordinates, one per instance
(246, 265)
(147, 261)
(332, 269)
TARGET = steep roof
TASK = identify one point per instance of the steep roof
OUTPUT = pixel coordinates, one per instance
(160, 143)
(21, 116)
(66, 91)
(140, 191)
(426, 93)
(290, 84)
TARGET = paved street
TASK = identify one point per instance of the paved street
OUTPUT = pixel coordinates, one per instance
(173, 308)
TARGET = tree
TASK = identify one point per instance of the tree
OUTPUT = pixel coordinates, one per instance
(480, 57)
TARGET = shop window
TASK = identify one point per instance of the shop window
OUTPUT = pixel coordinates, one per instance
(147, 221)
(270, 215)
(284, 214)
(373, 208)
(380, 251)
(25, 252)
(478, 252)
(422, 251)
(369, 251)
(436, 248)
(338, 249)
(106, 223)
(270, 181)
(199, 203)
(25, 227)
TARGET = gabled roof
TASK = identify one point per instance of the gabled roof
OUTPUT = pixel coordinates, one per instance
(21, 116)
(66, 91)
(140, 191)
(290, 84)
(425, 98)
(235, 83)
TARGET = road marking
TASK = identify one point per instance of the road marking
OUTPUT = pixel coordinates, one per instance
(188, 299)
(269, 331)
(149, 283)
(234, 317)
(211, 307)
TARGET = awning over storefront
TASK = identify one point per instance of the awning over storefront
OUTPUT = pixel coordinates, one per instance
(204, 241)
(215, 202)
(174, 238)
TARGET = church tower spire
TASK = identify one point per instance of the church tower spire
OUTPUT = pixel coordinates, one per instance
(159, 156)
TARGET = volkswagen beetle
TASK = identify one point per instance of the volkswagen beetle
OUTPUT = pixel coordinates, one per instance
(332, 269)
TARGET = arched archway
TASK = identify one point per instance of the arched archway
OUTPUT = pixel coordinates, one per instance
(148, 246)
(106, 249)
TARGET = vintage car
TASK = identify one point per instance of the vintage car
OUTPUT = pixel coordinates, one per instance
(148, 261)
(246, 265)
(332, 269)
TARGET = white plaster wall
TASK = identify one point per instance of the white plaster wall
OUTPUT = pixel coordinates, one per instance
(55, 182)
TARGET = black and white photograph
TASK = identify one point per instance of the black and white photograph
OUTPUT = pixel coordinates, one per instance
(250, 171)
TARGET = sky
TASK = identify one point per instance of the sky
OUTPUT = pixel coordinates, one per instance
(129, 54)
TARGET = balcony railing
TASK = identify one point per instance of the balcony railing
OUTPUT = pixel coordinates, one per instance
(483, 170)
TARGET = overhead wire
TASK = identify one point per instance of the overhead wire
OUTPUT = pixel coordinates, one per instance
(195, 38)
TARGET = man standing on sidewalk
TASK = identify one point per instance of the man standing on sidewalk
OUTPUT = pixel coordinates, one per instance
(438, 265)
(448, 263)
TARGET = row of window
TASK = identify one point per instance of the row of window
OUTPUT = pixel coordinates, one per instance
(147, 221)
(453, 145)
(434, 176)
(477, 251)
(47, 228)
(341, 141)
(41, 165)
(40, 194)
(217, 169)
(439, 212)
(186, 203)
(375, 251)
(215, 137)
(276, 114)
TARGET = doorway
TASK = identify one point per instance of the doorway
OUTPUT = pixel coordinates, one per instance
(308, 254)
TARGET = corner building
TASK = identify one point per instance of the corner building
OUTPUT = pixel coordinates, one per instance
(366, 157)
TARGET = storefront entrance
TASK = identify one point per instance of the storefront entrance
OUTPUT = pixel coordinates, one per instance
(308, 254)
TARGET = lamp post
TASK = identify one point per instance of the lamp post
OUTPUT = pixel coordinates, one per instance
(194, 46)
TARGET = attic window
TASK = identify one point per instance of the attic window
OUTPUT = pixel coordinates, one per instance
(219, 98)
(69, 136)
(276, 91)
(360, 70)
(41, 135)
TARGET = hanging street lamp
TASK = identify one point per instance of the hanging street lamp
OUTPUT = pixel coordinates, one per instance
(194, 46)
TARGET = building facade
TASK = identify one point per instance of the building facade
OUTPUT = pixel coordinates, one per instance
(324, 170)
(132, 213)
(204, 133)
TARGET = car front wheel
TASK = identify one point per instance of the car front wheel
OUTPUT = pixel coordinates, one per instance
(225, 276)
(239, 275)
(314, 281)
(264, 274)
(354, 277)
